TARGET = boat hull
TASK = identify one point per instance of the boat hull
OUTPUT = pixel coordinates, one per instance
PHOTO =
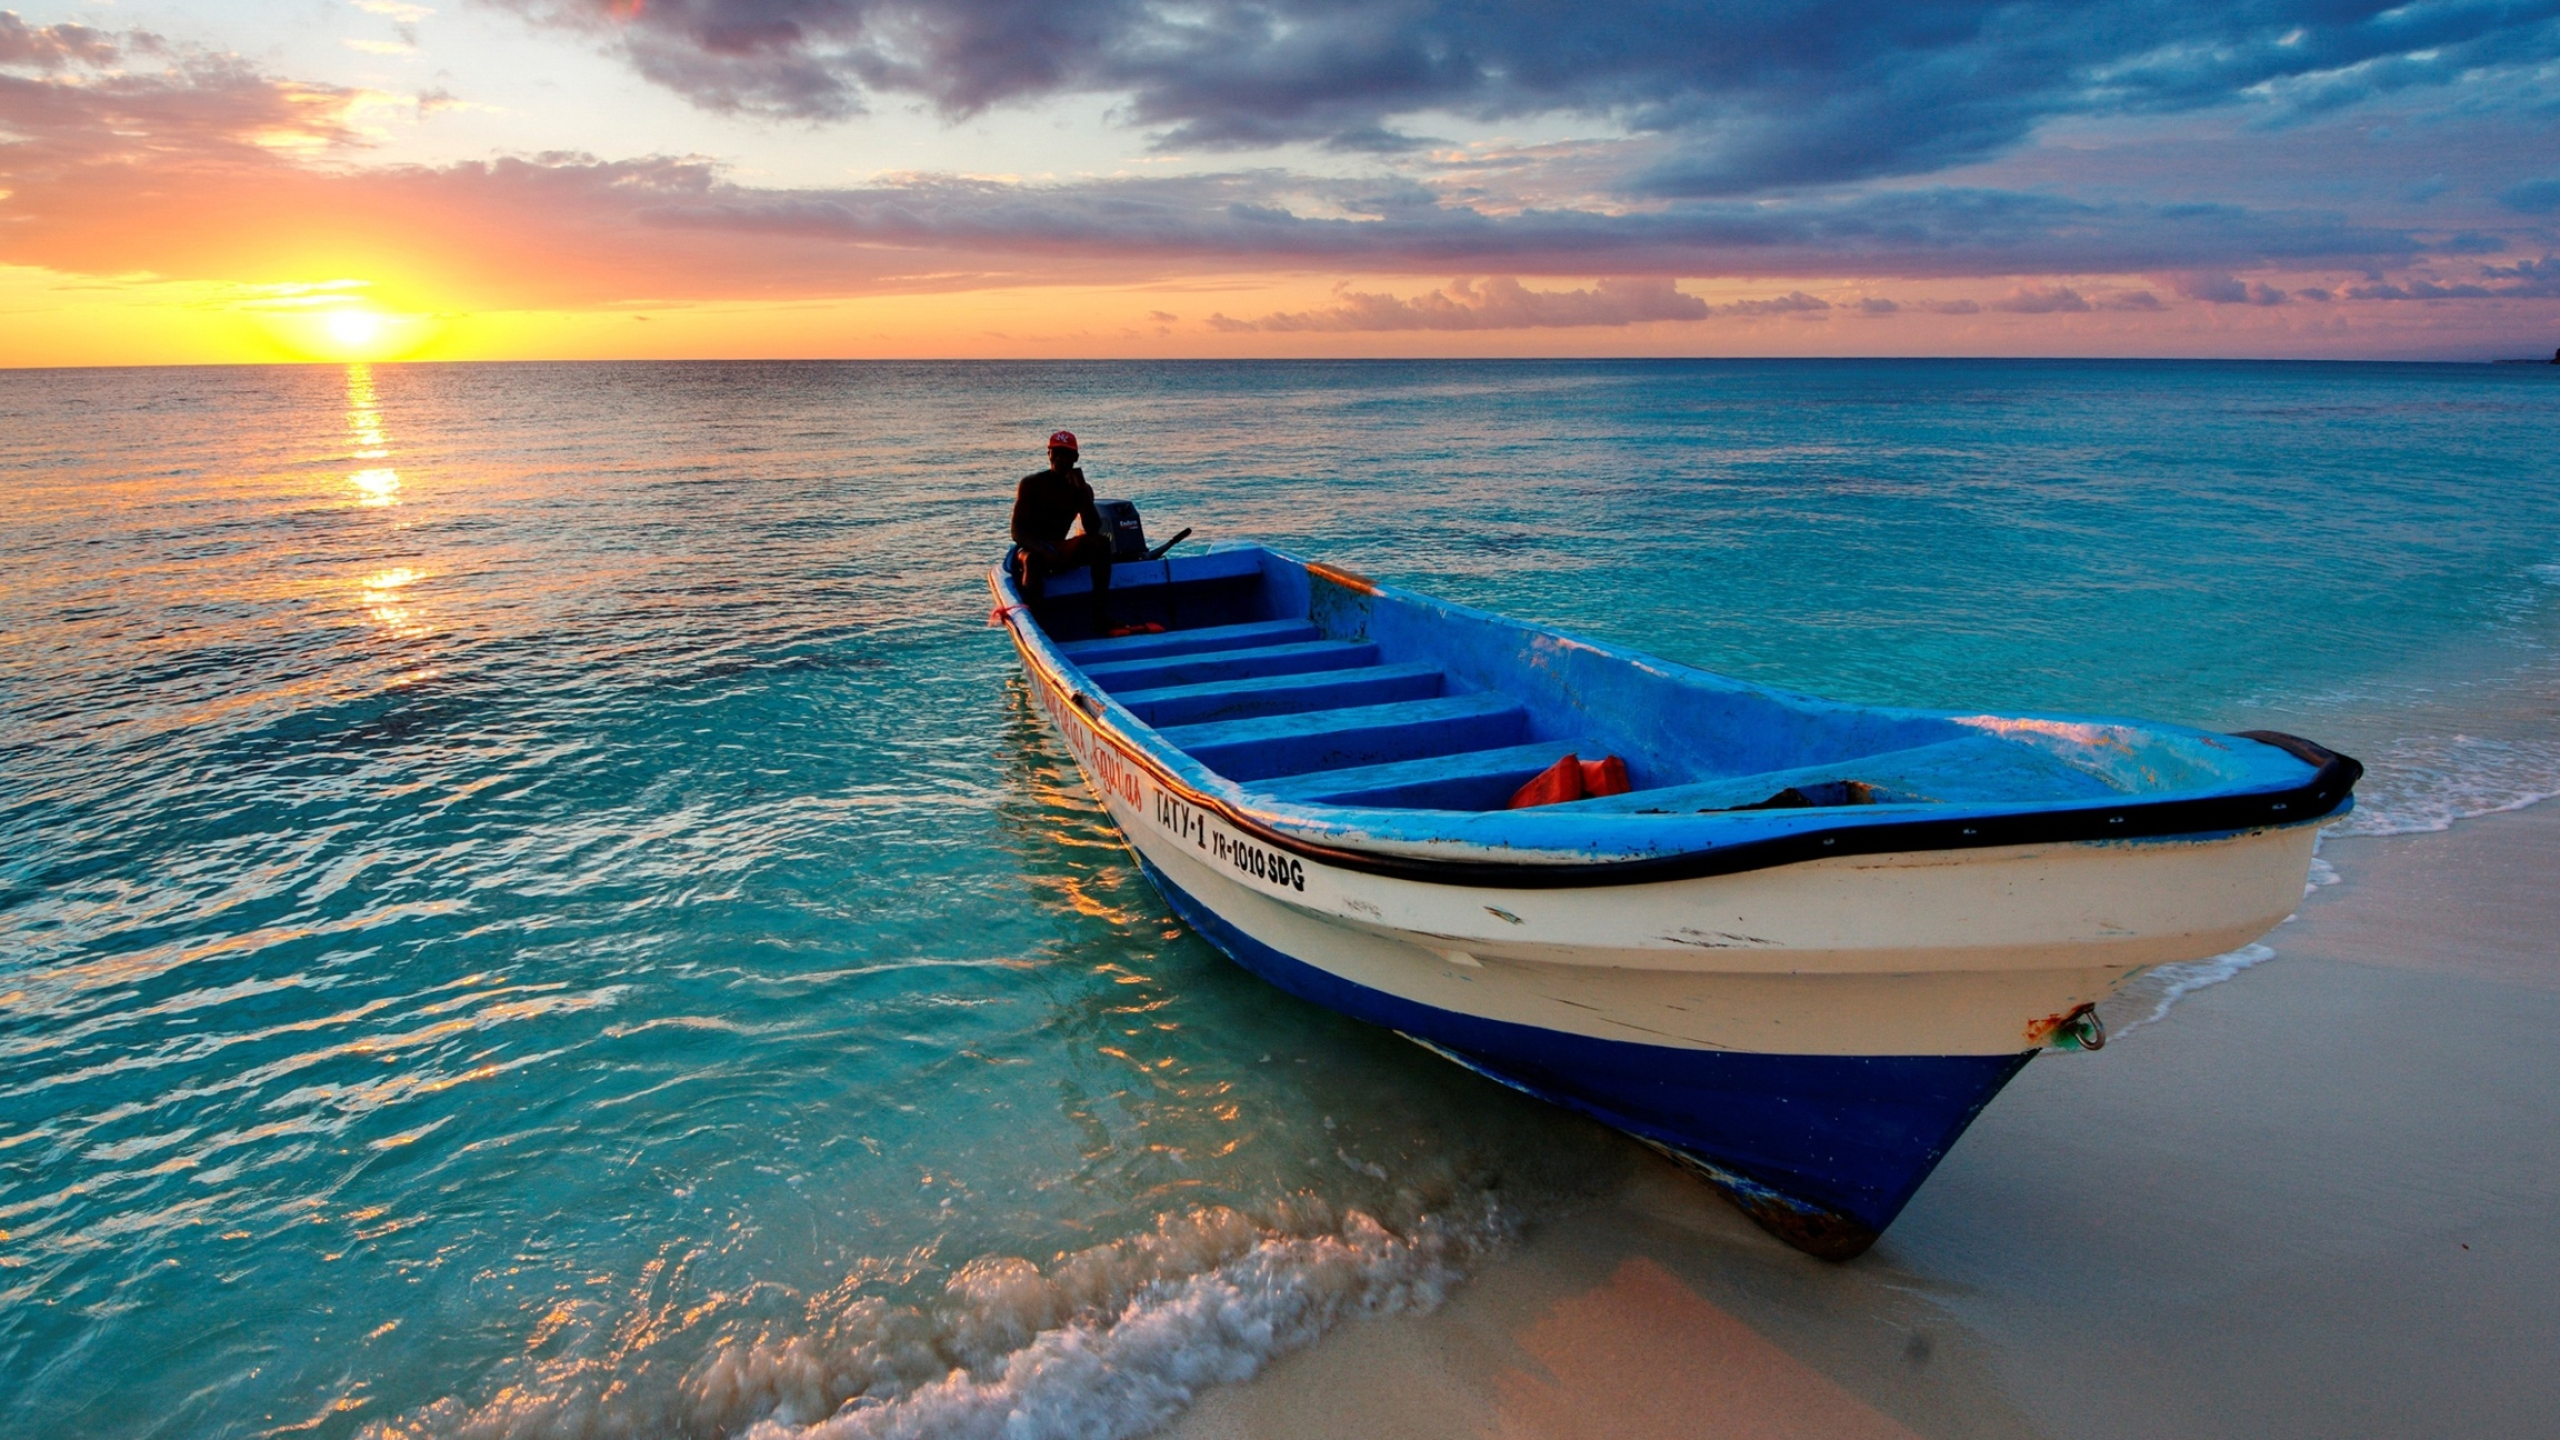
(1812, 1038)
(1824, 1150)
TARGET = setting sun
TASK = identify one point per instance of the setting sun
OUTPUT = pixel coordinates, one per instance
(341, 329)
(357, 330)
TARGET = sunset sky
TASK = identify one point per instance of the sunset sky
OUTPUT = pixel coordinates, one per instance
(363, 179)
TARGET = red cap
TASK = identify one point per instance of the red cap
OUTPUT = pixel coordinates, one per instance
(1064, 440)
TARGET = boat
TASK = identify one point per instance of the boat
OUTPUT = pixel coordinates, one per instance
(1800, 950)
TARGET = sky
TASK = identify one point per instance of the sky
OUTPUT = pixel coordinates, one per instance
(252, 180)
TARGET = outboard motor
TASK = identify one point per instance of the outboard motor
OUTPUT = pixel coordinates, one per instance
(1128, 535)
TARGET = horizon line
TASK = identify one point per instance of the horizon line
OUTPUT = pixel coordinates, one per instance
(2489, 360)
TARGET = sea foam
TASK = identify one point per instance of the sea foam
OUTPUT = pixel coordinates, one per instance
(2425, 783)
(1107, 1342)
(2155, 992)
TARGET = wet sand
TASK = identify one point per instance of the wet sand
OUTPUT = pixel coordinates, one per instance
(2322, 1199)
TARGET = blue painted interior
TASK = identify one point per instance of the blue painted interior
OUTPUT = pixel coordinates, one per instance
(1257, 662)
(1981, 767)
(1854, 1135)
(1189, 592)
(1345, 714)
(1467, 780)
(1188, 641)
(1288, 694)
(1335, 739)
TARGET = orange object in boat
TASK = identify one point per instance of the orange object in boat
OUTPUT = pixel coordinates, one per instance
(1605, 776)
(1555, 785)
(1573, 778)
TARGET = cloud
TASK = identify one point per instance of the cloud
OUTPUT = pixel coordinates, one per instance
(203, 110)
(1753, 98)
(1263, 217)
(2538, 279)
(1793, 303)
(2213, 289)
(2533, 197)
(1501, 303)
(2042, 300)
(2224, 289)
(2029, 300)
(2420, 290)
(2524, 280)
(54, 46)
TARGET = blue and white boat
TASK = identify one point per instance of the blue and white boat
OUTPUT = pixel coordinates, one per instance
(1800, 954)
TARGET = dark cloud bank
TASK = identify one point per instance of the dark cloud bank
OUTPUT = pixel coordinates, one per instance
(1754, 97)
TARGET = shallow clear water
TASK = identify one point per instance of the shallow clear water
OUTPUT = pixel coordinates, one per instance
(531, 902)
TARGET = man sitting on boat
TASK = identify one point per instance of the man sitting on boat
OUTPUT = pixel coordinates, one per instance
(1044, 505)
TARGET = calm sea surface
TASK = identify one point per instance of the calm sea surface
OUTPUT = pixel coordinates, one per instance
(531, 902)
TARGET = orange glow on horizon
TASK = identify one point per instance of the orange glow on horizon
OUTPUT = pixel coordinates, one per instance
(58, 319)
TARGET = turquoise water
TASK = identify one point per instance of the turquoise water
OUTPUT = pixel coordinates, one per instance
(531, 902)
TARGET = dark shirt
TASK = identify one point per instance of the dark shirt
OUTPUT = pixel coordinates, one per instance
(1047, 502)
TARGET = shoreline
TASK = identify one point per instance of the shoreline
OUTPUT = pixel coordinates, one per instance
(2312, 1200)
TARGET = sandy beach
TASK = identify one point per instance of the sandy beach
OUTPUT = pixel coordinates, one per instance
(2316, 1200)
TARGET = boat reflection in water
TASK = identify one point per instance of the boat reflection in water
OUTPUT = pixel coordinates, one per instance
(1801, 950)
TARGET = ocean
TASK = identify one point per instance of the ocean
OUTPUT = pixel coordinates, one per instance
(532, 902)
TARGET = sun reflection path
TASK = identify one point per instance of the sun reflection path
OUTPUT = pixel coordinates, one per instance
(376, 485)
(383, 592)
(384, 601)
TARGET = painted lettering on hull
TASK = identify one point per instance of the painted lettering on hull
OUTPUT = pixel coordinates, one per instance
(1186, 822)
(1251, 859)
(1183, 821)
(1113, 776)
(1102, 764)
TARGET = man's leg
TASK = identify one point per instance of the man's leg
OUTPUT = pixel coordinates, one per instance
(1033, 566)
(1095, 551)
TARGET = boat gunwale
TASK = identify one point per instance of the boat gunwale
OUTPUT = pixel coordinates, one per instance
(2328, 792)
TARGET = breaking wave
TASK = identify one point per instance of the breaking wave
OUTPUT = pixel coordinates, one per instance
(2426, 783)
(2150, 997)
(1105, 1343)
(2483, 744)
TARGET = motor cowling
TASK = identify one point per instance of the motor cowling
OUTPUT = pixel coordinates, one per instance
(1120, 521)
